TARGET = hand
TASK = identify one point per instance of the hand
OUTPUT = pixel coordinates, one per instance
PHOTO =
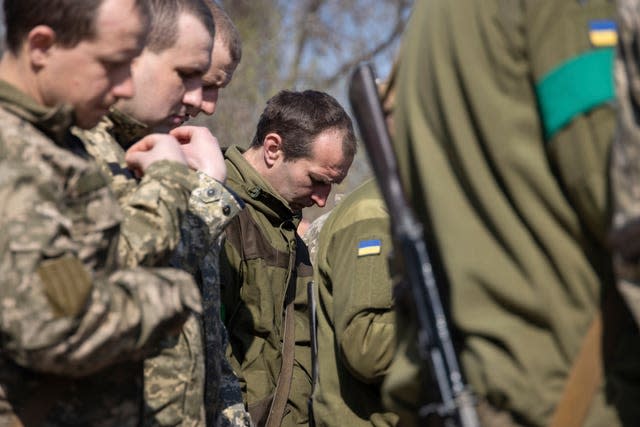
(153, 148)
(202, 150)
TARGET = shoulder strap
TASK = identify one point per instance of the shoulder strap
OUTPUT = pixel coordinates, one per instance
(283, 386)
(584, 379)
(587, 372)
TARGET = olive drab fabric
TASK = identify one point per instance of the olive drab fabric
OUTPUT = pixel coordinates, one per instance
(157, 229)
(70, 318)
(503, 128)
(356, 321)
(263, 266)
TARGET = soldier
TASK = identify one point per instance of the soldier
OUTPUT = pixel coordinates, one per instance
(625, 168)
(222, 390)
(225, 57)
(224, 405)
(304, 143)
(177, 55)
(504, 149)
(356, 329)
(74, 326)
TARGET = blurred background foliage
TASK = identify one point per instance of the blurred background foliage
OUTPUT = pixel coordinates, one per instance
(305, 44)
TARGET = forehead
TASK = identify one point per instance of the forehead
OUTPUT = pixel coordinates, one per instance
(193, 44)
(119, 28)
(327, 156)
(222, 66)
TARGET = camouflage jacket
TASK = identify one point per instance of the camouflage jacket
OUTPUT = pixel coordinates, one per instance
(74, 329)
(625, 165)
(154, 229)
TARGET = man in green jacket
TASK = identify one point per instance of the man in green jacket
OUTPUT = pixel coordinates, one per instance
(304, 143)
(356, 320)
(503, 129)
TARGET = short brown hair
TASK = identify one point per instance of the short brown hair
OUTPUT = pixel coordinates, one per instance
(72, 20)
(226, 30)
(163, 31)
(299, 117)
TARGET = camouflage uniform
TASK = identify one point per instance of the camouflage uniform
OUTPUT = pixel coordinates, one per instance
(73, 328)
(310, 237)
(153, 232)
(625, 168)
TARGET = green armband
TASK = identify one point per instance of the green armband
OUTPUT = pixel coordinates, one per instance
(575, 87)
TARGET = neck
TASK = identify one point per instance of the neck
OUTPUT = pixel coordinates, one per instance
(17, 72)
(254, 157)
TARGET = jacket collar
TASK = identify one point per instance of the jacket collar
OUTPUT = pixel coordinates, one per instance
(126, 129)
(55, 122)
(255, 190)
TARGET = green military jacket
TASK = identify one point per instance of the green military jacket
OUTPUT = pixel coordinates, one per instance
(356, 320)
(263, 260)
(74, 327)
(503, 133)
(154, 225)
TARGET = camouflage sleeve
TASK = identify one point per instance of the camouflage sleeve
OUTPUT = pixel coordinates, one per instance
(211, 207)
(310, 237)
(64, 311)
(153, 213)
(174, 380)
(625, 157)
(363, 306)
(230, 405)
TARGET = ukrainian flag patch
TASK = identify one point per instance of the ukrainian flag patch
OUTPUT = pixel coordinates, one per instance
(369, 247)
(603, 33)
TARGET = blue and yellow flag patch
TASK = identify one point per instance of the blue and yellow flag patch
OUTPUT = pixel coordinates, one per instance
(369, 247)
(603, 33)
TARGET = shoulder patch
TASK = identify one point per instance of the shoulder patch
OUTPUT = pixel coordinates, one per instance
(603, 33)
(369, 247)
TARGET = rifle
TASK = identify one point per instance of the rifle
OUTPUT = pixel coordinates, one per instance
(456, 406)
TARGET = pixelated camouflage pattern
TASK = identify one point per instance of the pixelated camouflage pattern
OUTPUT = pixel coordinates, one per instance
(173, 384)
(154, 206)
(211, 207)
(55, 204)
(625, 167)
(172, 398)
(310, 237)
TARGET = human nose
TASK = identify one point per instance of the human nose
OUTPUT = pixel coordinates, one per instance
(209, 101)
(123, 84)
(193, 99)
(321, 194)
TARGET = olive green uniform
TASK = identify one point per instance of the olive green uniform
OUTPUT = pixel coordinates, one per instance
(356, 321)
(503, 133)
(263, 266)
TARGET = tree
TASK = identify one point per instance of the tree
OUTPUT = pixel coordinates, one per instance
(304, 44)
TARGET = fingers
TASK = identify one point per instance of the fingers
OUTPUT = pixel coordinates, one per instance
(151, 149)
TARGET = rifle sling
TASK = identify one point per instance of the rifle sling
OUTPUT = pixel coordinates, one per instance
(283, 386)
(586, 374)
(584, 380)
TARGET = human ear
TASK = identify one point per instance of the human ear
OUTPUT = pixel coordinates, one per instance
(39, 42)
(272, 148)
